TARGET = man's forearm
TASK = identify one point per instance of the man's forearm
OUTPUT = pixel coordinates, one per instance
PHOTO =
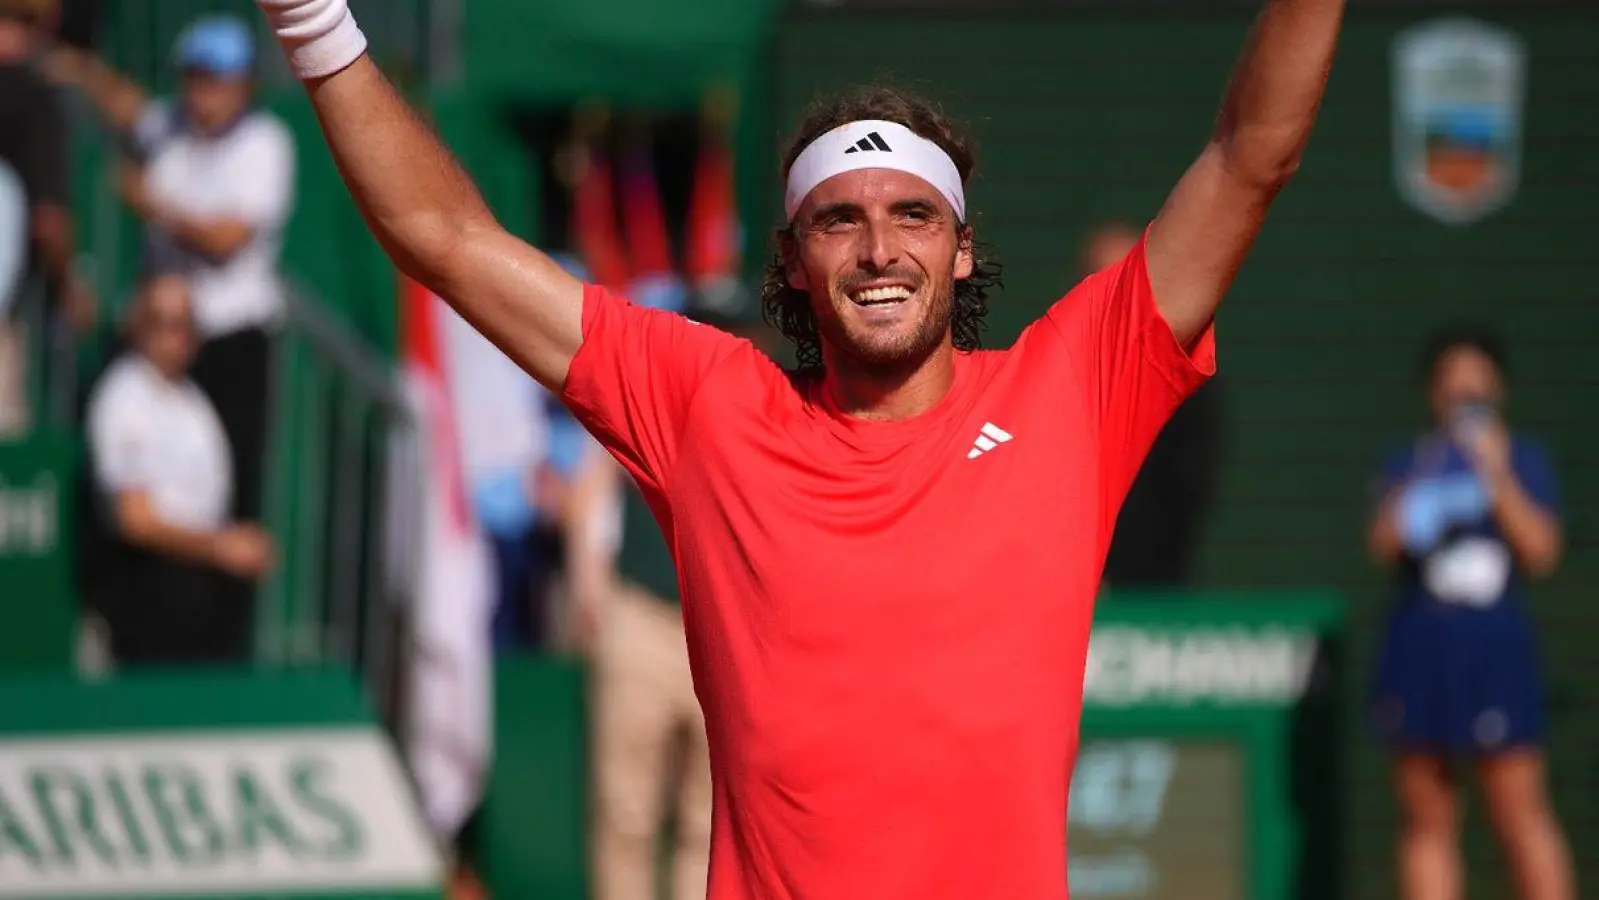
(420, 204)
(218, 239)
(120, 101)
(1275, 90)
(1208, 223)
(141, 527)
(415, 197)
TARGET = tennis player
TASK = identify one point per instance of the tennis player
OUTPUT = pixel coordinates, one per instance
(888, 559)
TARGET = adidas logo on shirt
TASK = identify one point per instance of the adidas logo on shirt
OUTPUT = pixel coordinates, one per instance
(871, 142)
(990, 437)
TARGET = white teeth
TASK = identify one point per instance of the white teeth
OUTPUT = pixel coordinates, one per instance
(882, 294)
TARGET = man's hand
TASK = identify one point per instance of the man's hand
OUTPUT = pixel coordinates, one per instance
(245, 551)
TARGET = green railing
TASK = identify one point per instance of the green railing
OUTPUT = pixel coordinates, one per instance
(343, 501)
(52, 353)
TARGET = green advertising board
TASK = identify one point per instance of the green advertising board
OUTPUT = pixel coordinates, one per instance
(1206, 768)
(215, 784)
(36, 502)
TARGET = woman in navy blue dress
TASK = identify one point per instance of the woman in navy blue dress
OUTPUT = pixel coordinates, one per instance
(1468, 514)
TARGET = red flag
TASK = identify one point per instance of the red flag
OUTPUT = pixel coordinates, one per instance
(450, 691)
(712, 249)
(594, 224)
(642, 217)
(426, 369)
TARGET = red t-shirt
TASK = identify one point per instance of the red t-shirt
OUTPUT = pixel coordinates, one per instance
(888, 621)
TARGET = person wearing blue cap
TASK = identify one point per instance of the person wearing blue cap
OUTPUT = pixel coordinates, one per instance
(1468, 514)
(212, 177)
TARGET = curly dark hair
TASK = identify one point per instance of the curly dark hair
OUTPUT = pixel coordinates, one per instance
(788, 309)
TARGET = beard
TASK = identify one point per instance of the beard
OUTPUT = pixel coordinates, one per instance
(889, 350)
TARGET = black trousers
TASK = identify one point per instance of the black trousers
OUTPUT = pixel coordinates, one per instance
(235, 371)
(162, 610)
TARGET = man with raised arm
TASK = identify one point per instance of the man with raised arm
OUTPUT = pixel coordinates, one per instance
(889, 658)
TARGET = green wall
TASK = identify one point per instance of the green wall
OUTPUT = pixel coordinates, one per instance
(1085, 115)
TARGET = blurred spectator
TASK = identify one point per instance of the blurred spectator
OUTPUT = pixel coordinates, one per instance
(34, 158)
(178, 588)
(645, 713)
(1159, 527)
(1468, 513)
(650, 747)
(213, 180)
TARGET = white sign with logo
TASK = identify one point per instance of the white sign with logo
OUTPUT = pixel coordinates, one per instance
(175, 814)
(29, 516)
(1459, 88)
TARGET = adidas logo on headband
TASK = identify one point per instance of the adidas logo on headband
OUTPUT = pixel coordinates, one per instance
(873, 141)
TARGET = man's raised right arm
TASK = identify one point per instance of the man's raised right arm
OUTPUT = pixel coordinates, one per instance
(419, 202)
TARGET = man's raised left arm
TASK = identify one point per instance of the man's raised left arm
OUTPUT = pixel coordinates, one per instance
(1208, 223)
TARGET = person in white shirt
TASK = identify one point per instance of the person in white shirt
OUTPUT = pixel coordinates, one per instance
(213, 179)
(179, 585)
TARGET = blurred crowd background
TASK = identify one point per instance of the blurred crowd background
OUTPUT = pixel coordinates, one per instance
(284, 456)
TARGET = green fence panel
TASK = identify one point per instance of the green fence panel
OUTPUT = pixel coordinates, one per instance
(38, 481)
(205, 783)
(535, 819)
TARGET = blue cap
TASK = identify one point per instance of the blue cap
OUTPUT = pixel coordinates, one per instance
(219, 45)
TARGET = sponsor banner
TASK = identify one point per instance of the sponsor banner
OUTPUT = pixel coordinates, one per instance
(36, 505)
(195, 814)
(1158, 818)
(1226, 665)
(1459, 87)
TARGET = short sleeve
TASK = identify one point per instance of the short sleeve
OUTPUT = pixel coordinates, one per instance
(263, 191)
(1536, 472)
(121, 448)
(1124, 357)
(635, 377)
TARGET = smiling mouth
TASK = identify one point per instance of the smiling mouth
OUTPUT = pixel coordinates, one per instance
(879, 296)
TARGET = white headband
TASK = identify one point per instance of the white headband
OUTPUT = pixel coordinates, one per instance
(873, 144)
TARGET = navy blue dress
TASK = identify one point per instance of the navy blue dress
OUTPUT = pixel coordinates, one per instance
(1458, 673)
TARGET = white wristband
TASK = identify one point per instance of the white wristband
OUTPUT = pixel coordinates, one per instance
(319, 37)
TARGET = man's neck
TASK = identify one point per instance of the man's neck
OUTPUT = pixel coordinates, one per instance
(889, 394)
